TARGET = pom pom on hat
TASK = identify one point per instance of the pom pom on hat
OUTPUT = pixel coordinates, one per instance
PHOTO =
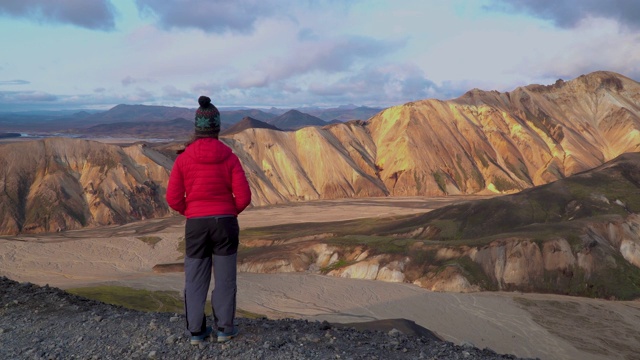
(204, 101)
(207, 117)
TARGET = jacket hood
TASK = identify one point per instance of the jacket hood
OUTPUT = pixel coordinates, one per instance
(208, 150)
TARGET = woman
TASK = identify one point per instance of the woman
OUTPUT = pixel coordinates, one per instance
(209, 187)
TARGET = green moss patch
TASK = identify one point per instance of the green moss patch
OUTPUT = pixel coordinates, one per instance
(336, 265)
(145, 300)
(137, 299)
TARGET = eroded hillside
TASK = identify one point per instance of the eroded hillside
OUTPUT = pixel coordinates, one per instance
(63, 184)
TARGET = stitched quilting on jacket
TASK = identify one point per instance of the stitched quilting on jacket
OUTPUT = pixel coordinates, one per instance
(207, 179)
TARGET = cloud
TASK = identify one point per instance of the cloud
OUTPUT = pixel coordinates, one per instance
(26, 96)
(332, 56)
(129, 80)
(381, 85)
(610, 50)
(307, 34)
(14, 82)
(90, 14)
(214, 16)
(173, 93)
(569, 13)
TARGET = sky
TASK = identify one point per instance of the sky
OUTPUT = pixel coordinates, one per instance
(95, 54)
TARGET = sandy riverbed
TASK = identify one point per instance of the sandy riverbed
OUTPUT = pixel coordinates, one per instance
(528, 325)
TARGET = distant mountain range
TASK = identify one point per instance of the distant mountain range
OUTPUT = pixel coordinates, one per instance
(83, 121)
(245, 124)
(173, 129)
(345, 113)
(342, 112)
(294, 119)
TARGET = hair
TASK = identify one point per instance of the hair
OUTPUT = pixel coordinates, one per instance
(196, 137)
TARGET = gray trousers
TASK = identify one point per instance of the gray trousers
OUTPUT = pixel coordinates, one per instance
(210, 243)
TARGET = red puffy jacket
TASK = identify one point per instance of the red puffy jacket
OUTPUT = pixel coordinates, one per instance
(208, 179)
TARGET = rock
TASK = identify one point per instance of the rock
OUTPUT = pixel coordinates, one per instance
(152, 354)
(394, 332)
(366, 269)
(466, 345)
(174, 319)
(171, 339)
(313, 338)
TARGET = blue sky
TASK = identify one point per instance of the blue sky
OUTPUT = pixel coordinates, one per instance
(94, 54)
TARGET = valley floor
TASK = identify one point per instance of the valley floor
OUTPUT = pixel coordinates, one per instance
(527, 325)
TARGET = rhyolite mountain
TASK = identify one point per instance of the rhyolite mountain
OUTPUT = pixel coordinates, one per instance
(481, 142)
(63, 184)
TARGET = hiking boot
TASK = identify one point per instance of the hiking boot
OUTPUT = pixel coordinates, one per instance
(226, 336)
(198, 339)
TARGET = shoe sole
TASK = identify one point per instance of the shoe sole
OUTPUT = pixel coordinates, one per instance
(227, 337)
(200, 341)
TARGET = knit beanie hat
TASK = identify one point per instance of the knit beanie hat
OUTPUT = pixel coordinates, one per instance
(207, 117)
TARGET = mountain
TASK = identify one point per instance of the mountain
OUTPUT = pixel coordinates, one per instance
(63, 184)
(341, 113)
(148, 121)
(229, 118)
(172, 129)
(294, 119)
(345, 113)
(133, 113)
(247, 123)
(481, 142)
(78, 121)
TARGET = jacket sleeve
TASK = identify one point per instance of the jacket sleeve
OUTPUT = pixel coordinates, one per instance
(239, 185)
(175, 189)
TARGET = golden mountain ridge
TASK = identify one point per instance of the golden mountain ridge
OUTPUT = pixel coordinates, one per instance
(483, 141)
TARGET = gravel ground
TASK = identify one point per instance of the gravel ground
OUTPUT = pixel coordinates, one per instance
(48, 323)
